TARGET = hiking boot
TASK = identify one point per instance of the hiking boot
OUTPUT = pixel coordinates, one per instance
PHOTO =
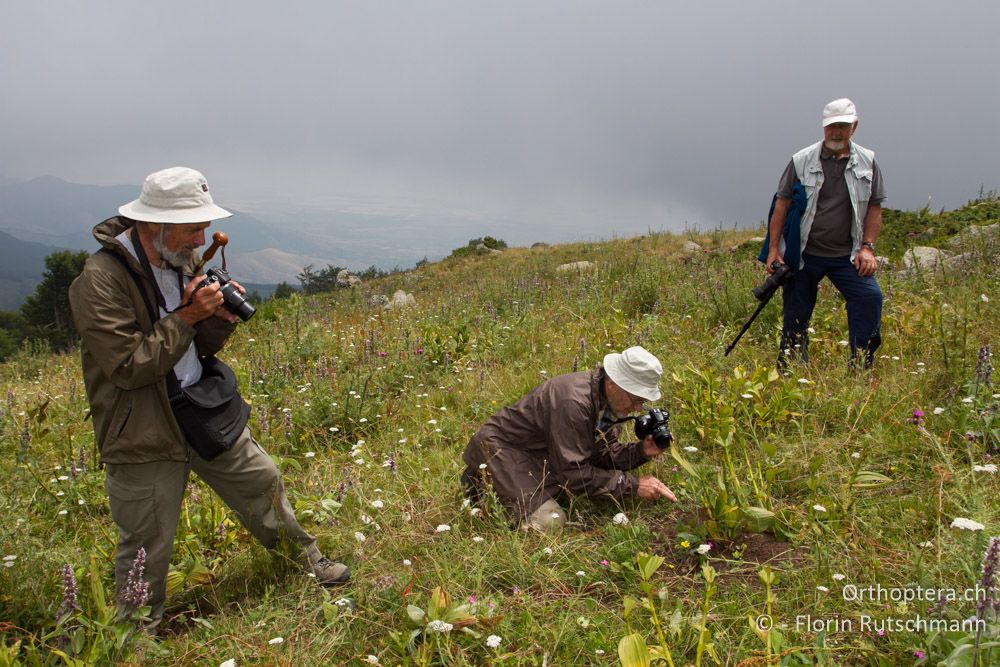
(330, 573)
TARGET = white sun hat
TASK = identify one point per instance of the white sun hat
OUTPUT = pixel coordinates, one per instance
(839, 111)
(636, 371)
(176, 195)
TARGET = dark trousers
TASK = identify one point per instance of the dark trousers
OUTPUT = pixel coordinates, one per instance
(864, 307)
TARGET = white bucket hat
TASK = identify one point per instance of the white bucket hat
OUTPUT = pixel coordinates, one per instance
(636, 371)
(839, 111)
(177, 195)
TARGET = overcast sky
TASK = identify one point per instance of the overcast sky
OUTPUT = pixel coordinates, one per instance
(600, 118)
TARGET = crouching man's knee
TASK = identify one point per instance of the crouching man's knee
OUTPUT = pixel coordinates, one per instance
(549, 517)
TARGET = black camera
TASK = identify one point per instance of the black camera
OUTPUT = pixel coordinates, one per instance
(657, 424)
(232, 298)
(766, 289)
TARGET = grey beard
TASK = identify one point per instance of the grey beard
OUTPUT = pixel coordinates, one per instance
(835, 146)
(176, 258)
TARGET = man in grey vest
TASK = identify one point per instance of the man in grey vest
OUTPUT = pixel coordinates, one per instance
(838, 231)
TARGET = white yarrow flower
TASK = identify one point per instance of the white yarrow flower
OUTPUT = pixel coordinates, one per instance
(822, 589)
(276, 640)
(372, 660)
(989, 467)
(493, 641)
(819, 508)
(359, 536)
(310, 455)
(966, 524)
(477, 538)
(937, 411)
(443, 528)
(547, 551)
(838, 577)
(439, 626)
(620, 519)
(581, 573)
(378, 504)
(690, 449)
(230, 662)
(703, 549)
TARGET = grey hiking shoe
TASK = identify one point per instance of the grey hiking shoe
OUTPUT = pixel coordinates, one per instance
(330, 573)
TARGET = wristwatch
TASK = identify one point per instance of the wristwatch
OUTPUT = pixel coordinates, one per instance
(869, 245)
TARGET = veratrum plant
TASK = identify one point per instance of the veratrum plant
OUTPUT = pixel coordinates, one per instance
(435, 625)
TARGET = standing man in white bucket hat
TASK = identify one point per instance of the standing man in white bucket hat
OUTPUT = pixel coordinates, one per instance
(562, 439)
(135, 356)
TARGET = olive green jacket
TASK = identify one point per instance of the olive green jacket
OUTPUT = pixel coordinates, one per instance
(126, 357)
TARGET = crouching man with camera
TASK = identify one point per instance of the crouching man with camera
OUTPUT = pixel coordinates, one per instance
(562, 439)
(162, 404)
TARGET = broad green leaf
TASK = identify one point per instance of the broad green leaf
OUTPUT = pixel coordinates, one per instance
(866, 479)
(632, 651)
(415, 613)
(681, 461)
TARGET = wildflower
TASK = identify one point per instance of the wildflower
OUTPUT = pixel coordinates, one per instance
(443, 528)
(926, 545)
(359, 536)
(918, 416)
(342, 602)
(334, 429)
(819, 508)
(967, 399)
(493, 641)
(230, 662)
(69, 603)
(477, 538)
(804, 381)
(855, 455)
(822, 589)
(703, 549)
(276, 640)
(372, 660)
(620, 519)
(378, 504)
(989, 467)
(581, 573)
(407, 562)
(690, 449)
(475, 511)
(984, 298)
(604, 562)
(439, 626)
(365, 519)
(938, 411)
(547, 551)
(482, 466)
(967, 524)
(919, 655)
(310, 455)
(359, 461)
(135, 594)
(991, 561)
(600, 651)
(8, 561)
(62, 512)
(838, 577)
(685, 544)
(747, 395)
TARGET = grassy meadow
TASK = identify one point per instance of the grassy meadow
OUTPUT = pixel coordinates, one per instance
(806, 504)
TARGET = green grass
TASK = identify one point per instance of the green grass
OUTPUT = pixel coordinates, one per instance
(325, 372)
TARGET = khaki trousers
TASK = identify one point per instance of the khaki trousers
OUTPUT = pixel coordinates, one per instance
(146, 502)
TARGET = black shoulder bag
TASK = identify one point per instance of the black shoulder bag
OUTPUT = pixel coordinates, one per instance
(211, 413)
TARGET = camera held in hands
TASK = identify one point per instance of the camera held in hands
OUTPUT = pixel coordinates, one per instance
(234, 300)
(657, 424)
(766, 289)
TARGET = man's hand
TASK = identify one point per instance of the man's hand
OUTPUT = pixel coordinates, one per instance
(650, 448)
(865, 262)
(204, 302)
(773, 255)
(651, 488)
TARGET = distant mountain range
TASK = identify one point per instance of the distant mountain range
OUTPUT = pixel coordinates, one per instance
(47, 213)
(269, 246)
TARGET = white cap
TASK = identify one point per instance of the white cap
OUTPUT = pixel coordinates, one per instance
(176, 195)
(839, 111)
(636, 371)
